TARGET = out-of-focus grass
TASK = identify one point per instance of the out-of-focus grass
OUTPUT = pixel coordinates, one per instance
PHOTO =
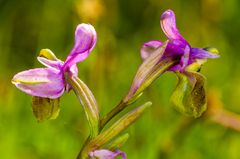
(122, 27)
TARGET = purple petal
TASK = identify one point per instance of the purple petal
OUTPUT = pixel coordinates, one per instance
(171, 50)
(168, 24)
(185, 57)
(85, 40)
(149, 47)
(197, 53)
(106, 154)
(41, 82)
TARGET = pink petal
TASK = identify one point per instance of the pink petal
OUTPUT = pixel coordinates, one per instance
(106, 154)
(149, 47)
(168, 24)
(41, 82)
(85, 40)
(48, 59)
(171, 50)
(50, 63)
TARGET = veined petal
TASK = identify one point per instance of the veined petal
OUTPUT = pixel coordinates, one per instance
(149, 47)
(85, 40)
(48, 59)
(106, 154)
(41, 82)
(168, 24)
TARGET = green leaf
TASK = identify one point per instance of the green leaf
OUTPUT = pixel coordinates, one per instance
(121, 124)
(189, 96)
(45, 108)
(114, 130)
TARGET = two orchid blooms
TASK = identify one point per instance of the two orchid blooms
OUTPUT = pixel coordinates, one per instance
(50, 82)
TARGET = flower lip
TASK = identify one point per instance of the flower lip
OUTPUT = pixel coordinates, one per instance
(41, 82)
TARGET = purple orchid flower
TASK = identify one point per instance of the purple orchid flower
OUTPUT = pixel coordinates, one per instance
(50, 82)
(177, 47)
(106, 154)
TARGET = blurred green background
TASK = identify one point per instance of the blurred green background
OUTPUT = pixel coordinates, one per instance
(122, 27)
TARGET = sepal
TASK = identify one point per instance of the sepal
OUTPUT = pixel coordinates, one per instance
(189, 96)
(151, 68)
(45, 108)
(88, 102)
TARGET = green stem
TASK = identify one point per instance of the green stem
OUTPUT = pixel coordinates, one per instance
(112, 113)
(134, 94)
(82, 154)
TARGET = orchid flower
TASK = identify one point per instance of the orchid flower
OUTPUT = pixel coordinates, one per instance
(189, 97)
(106, 154)
(176, 55)
(50, 82)
(177, 47)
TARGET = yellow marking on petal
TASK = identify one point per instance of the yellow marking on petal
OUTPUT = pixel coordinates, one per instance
(212, 50)
(48, 54)
(196, 65)
(18, 81)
